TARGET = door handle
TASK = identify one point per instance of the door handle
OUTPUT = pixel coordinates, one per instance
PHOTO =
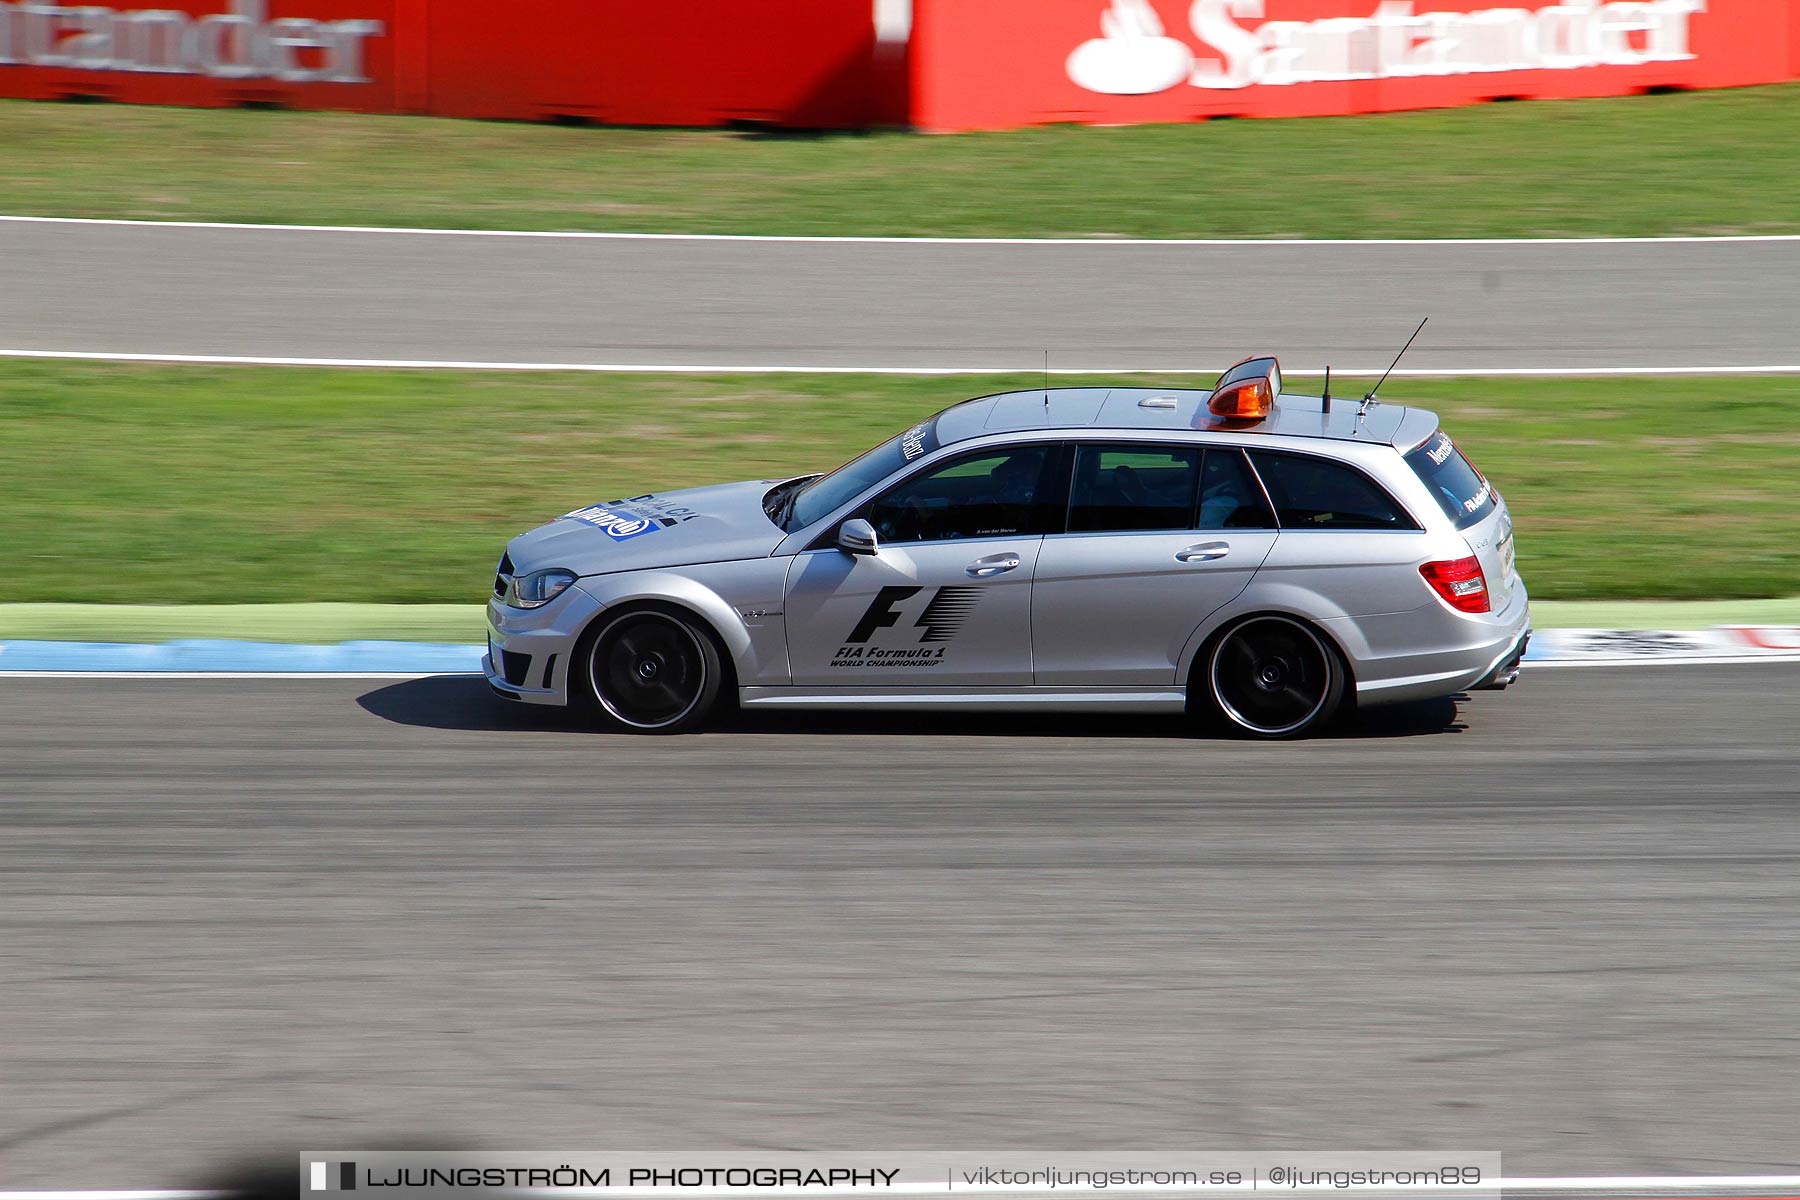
(994, 564)
(1204, 552)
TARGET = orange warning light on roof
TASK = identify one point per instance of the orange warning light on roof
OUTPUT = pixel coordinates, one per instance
(1247, 392)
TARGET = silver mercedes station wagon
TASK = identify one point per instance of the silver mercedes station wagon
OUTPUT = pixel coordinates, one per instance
(1253, 558)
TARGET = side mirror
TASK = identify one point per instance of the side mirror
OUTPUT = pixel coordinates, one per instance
(857, 536)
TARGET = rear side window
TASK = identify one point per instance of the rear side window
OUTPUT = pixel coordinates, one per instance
(1315, 493)
(1126, 488)
(1457, 486)
(1229, 495)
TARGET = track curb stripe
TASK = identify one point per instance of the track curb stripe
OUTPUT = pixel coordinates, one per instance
(206, 658)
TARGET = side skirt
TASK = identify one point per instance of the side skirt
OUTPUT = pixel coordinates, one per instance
(1040, 699)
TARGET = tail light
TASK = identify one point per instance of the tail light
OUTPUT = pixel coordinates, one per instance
(1460, 582)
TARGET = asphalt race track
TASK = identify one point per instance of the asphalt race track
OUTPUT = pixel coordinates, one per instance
(162, 290)
(1558, 922)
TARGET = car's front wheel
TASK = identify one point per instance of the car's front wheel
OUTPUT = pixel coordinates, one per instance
(1273, 677)
(653, 671)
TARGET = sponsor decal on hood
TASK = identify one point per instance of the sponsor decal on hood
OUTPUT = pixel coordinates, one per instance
(624, 519)
(696, 525)
(618, 525)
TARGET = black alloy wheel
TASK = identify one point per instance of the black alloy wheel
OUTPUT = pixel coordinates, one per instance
(654, 672)
(1274, 677)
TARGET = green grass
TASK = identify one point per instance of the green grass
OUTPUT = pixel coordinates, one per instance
(465, 623)
(316, 623)
(1640, 614)
(1695, 163)
(176, 484)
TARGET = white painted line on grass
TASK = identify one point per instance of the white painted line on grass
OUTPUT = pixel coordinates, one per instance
(428, 364)
(602, 235)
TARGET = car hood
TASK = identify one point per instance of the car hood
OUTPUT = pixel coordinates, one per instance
(663, 529)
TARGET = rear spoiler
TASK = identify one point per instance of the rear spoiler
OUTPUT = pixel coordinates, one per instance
(1417, 427)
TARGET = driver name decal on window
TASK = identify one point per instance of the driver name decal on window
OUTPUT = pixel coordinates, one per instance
(1459, 489)
(920, 440)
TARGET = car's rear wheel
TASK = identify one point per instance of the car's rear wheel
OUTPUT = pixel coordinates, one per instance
(1274, 677)
(652, 671)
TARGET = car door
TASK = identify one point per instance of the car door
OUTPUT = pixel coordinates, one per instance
(946, 598)
(1158, 538)
(1342, 535)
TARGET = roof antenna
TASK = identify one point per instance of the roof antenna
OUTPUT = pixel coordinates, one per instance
(1325, 400)
(1046, 381)
(1371, 397)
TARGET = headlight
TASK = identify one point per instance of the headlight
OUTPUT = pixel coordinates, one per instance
(540, 587)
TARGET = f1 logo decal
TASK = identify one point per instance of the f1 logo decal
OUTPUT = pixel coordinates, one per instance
(941, 620)
(880, 613)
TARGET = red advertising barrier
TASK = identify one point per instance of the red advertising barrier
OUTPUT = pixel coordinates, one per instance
(699, 62)
(310, 54)
(935, 64)
(702, 62)
(1004, 63)
(1794, 38)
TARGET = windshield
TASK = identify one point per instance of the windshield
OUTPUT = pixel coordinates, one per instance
(819, 498)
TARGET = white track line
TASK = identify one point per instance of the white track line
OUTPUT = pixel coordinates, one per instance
(406, 231)
(1686, 1184)
(428, 364)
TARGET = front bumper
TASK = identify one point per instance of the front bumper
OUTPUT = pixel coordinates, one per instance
(530, 650)
(507, 677)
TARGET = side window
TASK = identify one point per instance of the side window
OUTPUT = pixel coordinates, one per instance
(991, 494)
(1229, 495)
(1315, 493)
(1123, 488)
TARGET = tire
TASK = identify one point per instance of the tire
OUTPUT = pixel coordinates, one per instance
(651, 670)
(1272, 677)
